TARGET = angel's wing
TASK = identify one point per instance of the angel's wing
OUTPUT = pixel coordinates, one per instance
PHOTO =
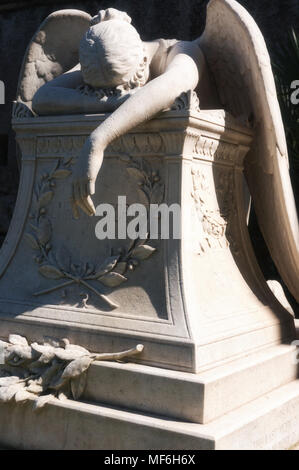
(239, 61)
(52, 51)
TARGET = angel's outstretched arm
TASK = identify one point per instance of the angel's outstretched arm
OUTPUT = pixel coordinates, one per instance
(182, 73)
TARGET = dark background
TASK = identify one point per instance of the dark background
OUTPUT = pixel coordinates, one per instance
(180, 19)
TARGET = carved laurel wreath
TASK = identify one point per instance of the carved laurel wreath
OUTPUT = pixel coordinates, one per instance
(58, 264)
(43, 373)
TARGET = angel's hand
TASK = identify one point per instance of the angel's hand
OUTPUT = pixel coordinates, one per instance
(84, 177)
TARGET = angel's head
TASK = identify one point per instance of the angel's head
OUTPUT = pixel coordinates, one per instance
(112, 53)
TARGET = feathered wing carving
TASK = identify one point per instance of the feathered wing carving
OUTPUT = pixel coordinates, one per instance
(239, 61)
(52, 51)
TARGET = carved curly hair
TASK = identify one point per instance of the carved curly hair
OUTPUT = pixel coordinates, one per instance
(111, 52)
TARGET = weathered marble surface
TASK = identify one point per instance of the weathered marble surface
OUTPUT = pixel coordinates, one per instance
(165, 302)
(43, 373)
(199, 304)
(267, 423)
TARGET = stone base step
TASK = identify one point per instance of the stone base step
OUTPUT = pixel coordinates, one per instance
(199, 398)
(269, 422)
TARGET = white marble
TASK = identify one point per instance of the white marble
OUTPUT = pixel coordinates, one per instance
(158, 122)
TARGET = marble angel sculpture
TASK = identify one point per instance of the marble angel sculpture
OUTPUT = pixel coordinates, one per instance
(79, 64)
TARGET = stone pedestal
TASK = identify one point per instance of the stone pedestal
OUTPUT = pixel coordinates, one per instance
(212, 330)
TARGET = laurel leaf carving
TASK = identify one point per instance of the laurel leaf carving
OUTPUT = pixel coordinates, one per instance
(107, 266)
(136, 173)
(63, 374)
(17, 339)
(61, 174)
(40, 402)
(112, 279)
(157, 195)
(32, 241)
(78, 385)
(143, 252)
(121, 267)
(50, 272)
(45, 198)
(44, 231)
(77, 367)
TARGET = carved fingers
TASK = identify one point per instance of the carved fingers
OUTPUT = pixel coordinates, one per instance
(81, 197)
(84, 177)
(91, 187)
(75, 210)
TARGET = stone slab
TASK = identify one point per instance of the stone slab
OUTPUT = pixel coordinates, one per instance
(270, 422)
(198, 398)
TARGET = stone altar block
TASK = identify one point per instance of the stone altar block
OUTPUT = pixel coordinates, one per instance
(199, 304)
(195, 302)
